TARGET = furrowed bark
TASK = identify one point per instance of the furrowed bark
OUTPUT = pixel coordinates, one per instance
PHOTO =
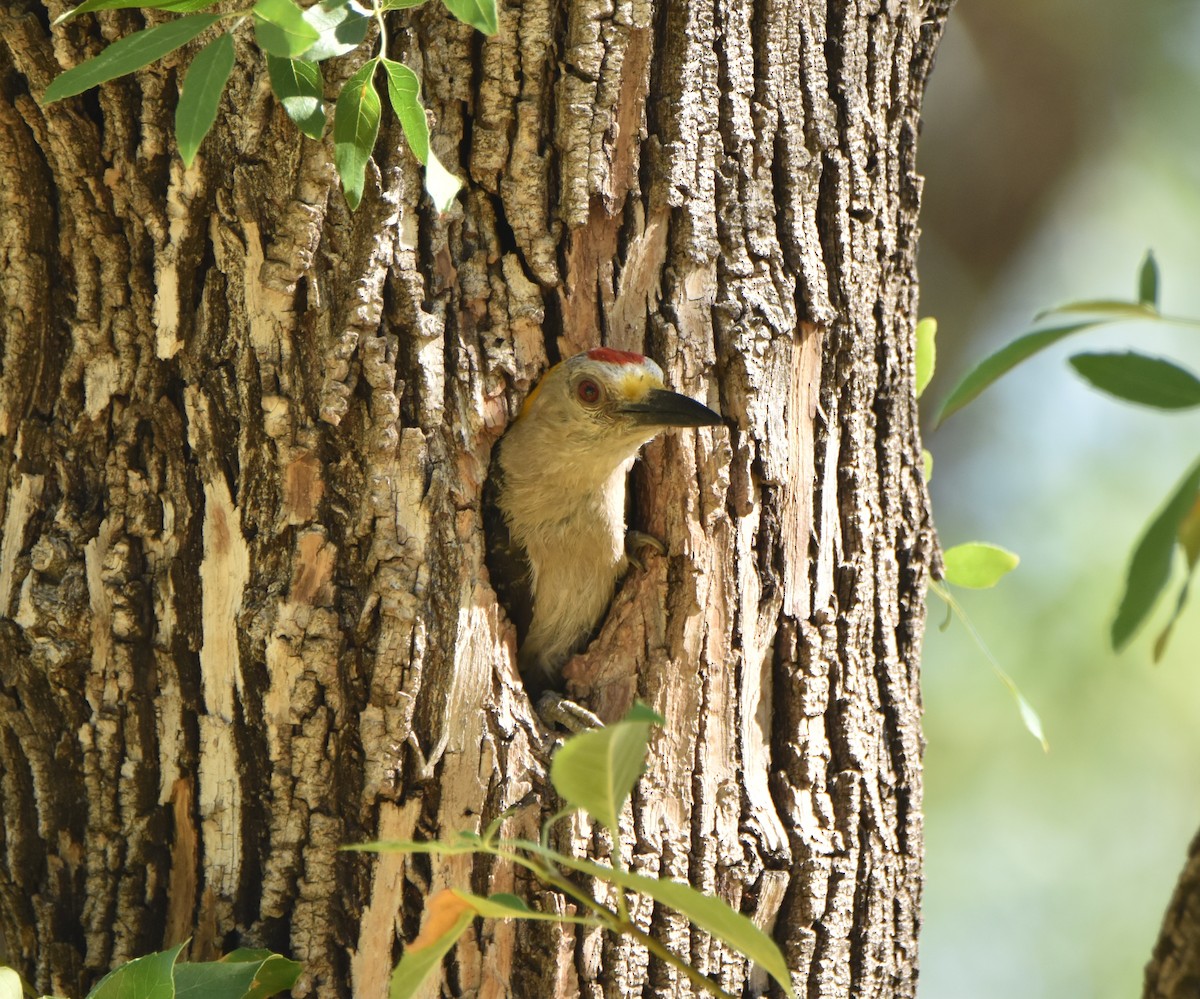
(1174, 968)
(244, 434)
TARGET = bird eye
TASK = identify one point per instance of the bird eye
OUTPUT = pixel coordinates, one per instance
(588, 392)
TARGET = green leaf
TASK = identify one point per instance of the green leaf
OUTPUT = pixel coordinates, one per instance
(281, 30)
(275, 974)
(400, 4)
(503, 905)
(480, 14)
(355, 128)
(10, 984)
(1148, 281)
(301, 91)
(1111, 309)
(341, 26)
(927, 461)
(149, 977)
(708, 912)
(978, 565)
(596, 771)
(926, 334)
(1189, 539)
(1001, 362)
(1164, 636)
(447, 918)
(176, 6)
(1029, 717)
(201, 95)
(1150, 381)
(126, 55)
(404, 91)
(242, 974)
(462, 844)
(1150, 565)
(213, 980)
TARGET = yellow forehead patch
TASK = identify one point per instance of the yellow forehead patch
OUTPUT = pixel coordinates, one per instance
(632, 384)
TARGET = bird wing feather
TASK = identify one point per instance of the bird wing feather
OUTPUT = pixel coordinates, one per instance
(507, 562)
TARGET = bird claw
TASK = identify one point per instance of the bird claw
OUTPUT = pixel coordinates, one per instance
(635, 541)
(556, 710)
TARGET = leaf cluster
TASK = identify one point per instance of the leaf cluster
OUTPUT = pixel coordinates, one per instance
(973, 565)
(295, 41)
(1135, 377)
(242, 974)
(594, 772)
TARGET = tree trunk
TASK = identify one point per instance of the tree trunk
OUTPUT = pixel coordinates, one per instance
(1174, 968)
(244, 435)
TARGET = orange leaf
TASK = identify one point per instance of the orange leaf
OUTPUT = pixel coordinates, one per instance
(445, 909)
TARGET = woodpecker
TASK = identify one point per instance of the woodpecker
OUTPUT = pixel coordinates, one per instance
(555, 499)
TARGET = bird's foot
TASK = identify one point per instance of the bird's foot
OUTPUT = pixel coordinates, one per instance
(638, 541)
(558, 711)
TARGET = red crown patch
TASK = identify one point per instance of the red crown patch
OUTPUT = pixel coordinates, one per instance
(610, 356)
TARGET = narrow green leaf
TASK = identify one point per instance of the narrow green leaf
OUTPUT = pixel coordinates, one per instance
(341, 26)
(978, 565)
(480, 14)
(1001, 362)
(404, 91)
(1110, 308)
(1031, 721)
(502, 905)
(201, 95)
(927, 461)
(1149, 381)
(149, 977)
(355, 128)
(300, 89)
(1029, 717)
(127, 55)
(447, 918)
(1148, 281)
(926, 334)
(176, 6)
(708, 912)
(1150, 565)
(281, 30)
(462, 844)
(1164, 636)
(597, 770)
(1189, 540)
(10, 984)
(400, 4)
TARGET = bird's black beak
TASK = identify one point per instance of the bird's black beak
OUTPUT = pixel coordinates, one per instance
(662, 408)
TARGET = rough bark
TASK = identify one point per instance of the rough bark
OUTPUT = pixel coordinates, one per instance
(1174, 968)
(243, 435)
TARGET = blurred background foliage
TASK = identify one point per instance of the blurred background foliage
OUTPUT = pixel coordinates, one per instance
(1061, 141)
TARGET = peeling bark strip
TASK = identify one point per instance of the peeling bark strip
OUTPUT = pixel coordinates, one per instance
(243, 436)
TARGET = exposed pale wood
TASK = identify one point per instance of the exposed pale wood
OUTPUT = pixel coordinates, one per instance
(244, 617)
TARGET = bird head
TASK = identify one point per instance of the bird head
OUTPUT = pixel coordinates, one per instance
(609, 402)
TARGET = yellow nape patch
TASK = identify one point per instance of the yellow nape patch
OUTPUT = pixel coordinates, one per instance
(528, 403)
